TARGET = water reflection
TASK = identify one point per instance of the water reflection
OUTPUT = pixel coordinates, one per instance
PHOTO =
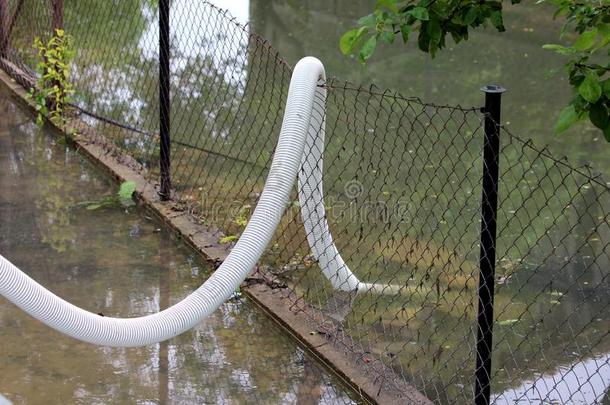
(122, 263)
(196, 33)
(164, 302)
(586, 382)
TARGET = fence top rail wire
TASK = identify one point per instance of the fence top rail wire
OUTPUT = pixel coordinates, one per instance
(585, 169)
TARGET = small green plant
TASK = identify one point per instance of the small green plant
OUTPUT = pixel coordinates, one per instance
(53, 89)
(228, 239)
(122, 197)
(126, 192)
(241, 219)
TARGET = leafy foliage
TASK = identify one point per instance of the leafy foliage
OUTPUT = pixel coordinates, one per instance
(53, 88)
(590, 20)
(433, 20)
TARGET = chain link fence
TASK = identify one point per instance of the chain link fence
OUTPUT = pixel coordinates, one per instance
(403, 186)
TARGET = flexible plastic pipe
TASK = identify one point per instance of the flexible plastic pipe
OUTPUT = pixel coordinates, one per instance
(305, 102)
(313, 213)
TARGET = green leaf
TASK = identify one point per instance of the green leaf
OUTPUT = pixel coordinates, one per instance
(368, 20)
(421, 13)
(241, 221)
(92, 207)
(604, 31)
(368, 48)
(440, 9)
(598, 114)
(580, 104)
(387, 36)
(423, 40)
(562, 50)
(586, 40)
(496, 20)
(349, 40)
(590, 88)
(405, 31)
(471, 15)
(228, 239)
(126, 190)
(567, 117)
(434, 30)
(576, 78)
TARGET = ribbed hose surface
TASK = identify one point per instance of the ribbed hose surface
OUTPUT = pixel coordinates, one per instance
(313, 213)
(301, 107)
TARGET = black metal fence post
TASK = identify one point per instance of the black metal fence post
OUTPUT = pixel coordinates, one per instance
(489, 209)
(164, 101)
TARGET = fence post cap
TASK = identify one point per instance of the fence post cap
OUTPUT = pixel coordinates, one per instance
(493, 88)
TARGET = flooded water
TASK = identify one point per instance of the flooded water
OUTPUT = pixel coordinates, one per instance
(120, 261)
(585, 382)
(228, 93)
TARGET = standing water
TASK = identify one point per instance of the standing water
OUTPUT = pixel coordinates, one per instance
(552, 318)
(119, 261)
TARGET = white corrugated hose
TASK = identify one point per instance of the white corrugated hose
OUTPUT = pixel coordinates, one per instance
(305, 104)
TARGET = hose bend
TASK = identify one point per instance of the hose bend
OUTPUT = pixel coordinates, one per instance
(305, 103)
(313, 213)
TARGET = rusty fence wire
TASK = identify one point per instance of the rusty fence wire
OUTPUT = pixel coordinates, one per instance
(403, 186)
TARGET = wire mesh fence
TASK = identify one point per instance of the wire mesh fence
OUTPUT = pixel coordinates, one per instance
(403, 185)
